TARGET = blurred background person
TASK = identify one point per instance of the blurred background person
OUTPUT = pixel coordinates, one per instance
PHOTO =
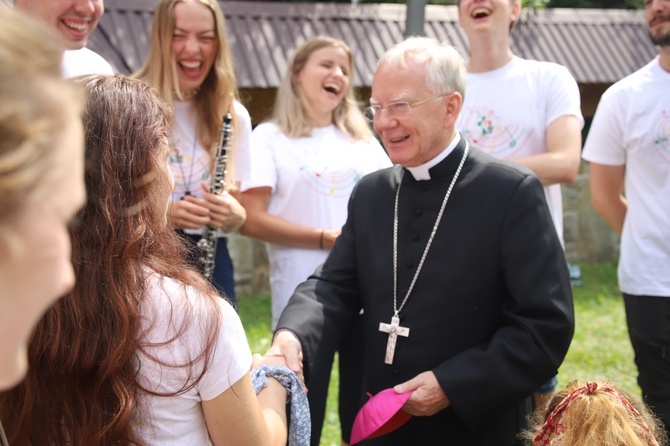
(74, 20)
(526, 111)
(41, 183)
(190, 63)
(142, 351)
(306, 161)
(628, 149)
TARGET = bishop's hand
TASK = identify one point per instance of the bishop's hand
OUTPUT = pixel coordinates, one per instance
(428, 397)
(286, 344)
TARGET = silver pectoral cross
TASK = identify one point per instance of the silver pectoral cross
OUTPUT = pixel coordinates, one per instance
(394, 330)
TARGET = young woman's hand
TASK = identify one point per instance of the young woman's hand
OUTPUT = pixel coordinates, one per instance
(225, 211)
(188, 213)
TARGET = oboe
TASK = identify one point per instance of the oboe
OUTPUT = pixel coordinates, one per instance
(207, 243)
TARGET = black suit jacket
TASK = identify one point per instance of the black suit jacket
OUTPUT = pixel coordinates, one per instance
(491, 313)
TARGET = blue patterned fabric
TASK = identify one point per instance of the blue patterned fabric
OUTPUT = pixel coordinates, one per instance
(300, 427)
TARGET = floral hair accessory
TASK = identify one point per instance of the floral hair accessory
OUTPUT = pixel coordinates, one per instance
(553, 426)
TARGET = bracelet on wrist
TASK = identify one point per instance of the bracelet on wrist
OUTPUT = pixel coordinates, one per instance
(321, 239)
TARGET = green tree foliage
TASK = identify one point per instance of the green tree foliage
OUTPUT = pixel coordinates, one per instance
(606, 4)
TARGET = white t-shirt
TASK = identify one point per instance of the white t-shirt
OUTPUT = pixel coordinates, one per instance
(179, 420)
(506, 113)
(84, 61)
(631, 127)
(190, 162)
(311, 180)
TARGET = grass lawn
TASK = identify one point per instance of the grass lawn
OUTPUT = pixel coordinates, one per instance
(600, 348)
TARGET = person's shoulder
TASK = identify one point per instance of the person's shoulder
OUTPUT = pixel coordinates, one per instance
(230, 317)
(167, 297)
(267, 128)
(542, 68)
(241, 110)
(84, 61)
(542, 64)
(638, 79)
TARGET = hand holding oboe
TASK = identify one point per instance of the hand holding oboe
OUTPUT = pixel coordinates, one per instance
(189, 213)
(225, 211)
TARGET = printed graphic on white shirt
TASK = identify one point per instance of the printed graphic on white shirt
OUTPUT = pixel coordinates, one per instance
(488, 132)
(661, 137)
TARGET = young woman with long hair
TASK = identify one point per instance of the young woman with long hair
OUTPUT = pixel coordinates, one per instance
(142, 350)
(307, 160)
(190, 63)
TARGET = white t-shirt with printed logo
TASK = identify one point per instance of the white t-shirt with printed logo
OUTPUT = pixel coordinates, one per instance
(311, 180)
(190, 162)
(631, 127)
(506, 113)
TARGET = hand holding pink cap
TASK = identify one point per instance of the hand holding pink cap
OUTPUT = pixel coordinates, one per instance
(380, 415)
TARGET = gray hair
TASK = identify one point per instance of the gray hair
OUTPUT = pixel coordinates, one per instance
(445, 69)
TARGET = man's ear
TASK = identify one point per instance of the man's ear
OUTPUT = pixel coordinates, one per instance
(453, 103)
(516, 10)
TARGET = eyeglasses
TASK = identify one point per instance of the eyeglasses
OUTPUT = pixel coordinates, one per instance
(396, 108)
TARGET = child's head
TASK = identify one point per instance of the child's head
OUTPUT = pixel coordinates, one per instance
(595, 414)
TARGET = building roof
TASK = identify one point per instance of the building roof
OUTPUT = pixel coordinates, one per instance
(597, 45)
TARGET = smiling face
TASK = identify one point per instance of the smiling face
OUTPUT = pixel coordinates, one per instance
(657, 15)
(194, 44)
(416, 137)
(35, 266)
(488, 16)
(322, 82)
(75, 20)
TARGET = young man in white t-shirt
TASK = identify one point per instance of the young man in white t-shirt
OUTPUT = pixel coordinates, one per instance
(525, 111)
(75, 21)
(628, 147)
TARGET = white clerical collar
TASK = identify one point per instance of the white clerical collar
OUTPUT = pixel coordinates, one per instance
(422, 172)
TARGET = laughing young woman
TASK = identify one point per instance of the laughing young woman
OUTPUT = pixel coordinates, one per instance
(307, 160)
(190, 63)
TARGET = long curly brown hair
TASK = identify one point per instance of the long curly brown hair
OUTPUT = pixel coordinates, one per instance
(81, 387)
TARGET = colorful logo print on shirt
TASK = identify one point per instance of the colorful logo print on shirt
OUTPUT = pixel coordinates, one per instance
(486, 131)
(187, 171)
(662, 136)
(328, 181)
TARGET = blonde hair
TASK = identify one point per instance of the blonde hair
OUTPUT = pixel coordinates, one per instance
(291, 110)
(595, 414)
(219, 89)
(35, 106)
